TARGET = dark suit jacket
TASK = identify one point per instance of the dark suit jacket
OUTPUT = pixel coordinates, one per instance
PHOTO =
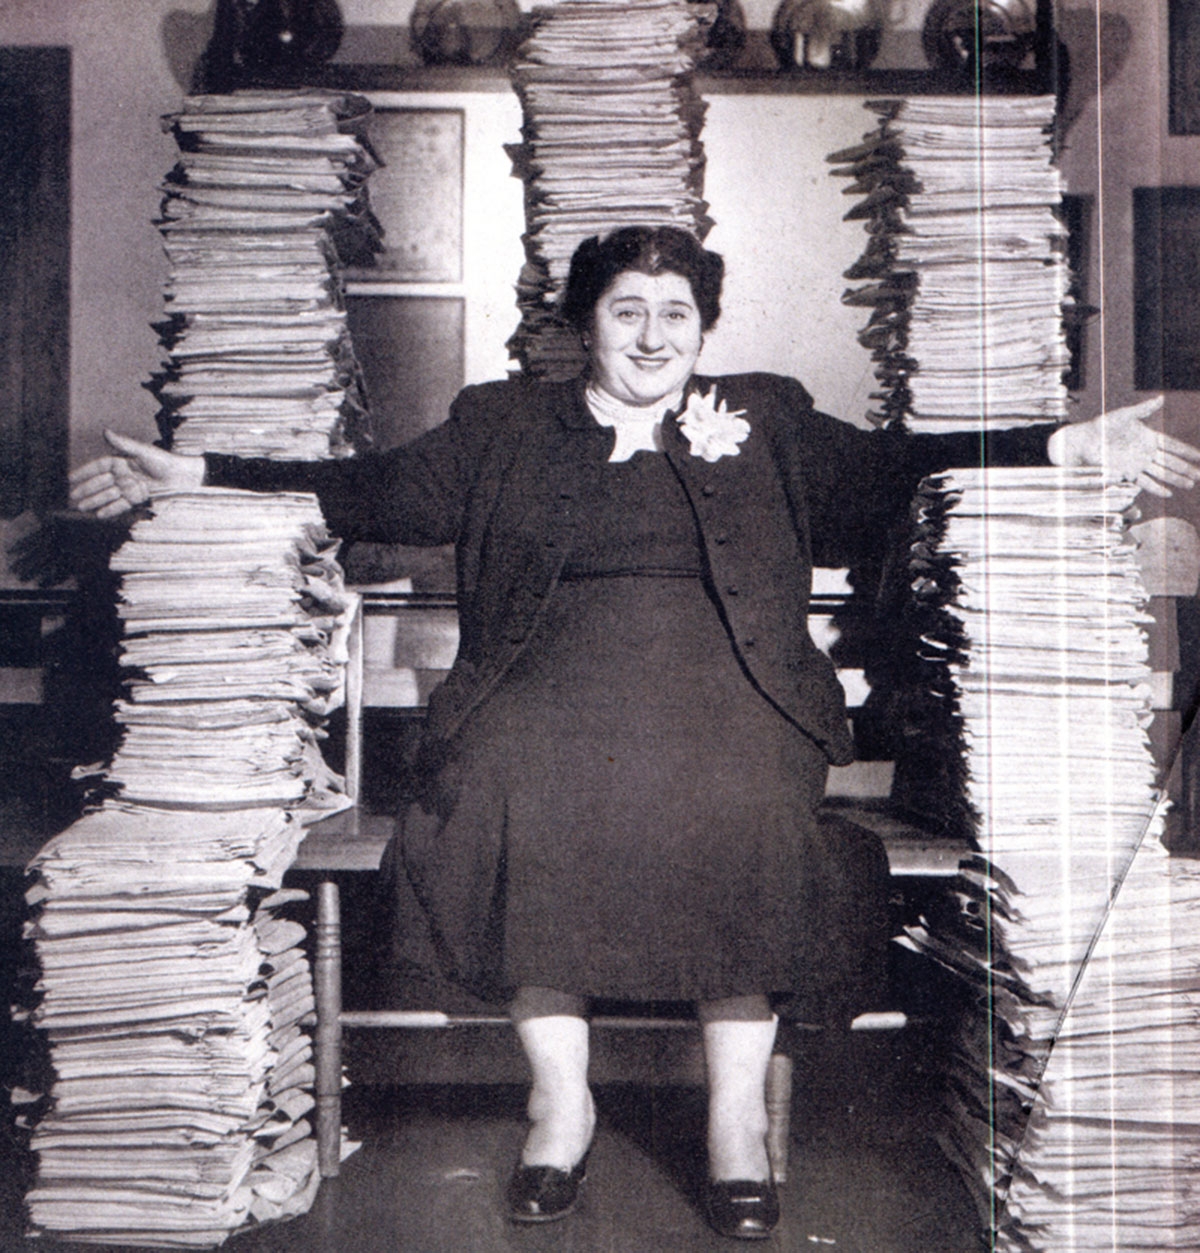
(515, 471)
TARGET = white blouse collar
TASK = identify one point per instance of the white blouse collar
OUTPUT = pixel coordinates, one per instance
(638, 427)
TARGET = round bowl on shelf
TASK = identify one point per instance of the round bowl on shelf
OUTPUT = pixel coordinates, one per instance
(464, 32)
(968, 35)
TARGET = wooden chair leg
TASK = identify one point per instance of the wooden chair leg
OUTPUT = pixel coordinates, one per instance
(327, 1042)
(779, 1113)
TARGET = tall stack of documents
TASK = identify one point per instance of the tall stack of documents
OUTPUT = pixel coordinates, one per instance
(966, 271)
(611, 138)
(172, 992)
(173, 981)
(234, 621)
(1113, 1144)
(269, 193)
(1042, 607)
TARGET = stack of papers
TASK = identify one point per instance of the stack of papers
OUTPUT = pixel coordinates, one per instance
(1042, 609)
(612, 127)
(1113, 1143)
(235, 629)
(173, 987)
(172, 994)
(268, 193)
(966, 261)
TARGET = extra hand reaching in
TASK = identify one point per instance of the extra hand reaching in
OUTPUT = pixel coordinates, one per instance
(110, 486)
(1128, 450)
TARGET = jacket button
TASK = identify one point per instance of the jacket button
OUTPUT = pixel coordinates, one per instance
(722, 539)
(749, 642)
(707, 489)
(551, 542)
(731, 590)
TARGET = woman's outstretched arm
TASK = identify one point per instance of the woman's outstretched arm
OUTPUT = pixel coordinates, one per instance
(414, 494)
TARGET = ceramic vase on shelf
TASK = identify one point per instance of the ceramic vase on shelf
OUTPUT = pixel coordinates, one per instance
(464, 32)
(828, 34)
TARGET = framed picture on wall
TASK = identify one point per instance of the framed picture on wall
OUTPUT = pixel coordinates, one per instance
(417, 195)
(1184, 66)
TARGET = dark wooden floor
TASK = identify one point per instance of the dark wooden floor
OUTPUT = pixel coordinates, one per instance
(430, 1172)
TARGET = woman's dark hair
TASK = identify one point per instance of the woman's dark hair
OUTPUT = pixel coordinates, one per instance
(647, 250)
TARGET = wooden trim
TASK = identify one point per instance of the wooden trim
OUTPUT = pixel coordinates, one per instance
(1183, 74)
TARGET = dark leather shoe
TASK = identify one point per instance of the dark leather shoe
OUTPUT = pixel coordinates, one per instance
(744, 1209)
(541, 1194)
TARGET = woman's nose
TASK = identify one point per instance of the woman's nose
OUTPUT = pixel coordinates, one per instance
(650, 335)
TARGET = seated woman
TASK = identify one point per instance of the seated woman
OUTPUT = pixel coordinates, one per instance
(625, 763)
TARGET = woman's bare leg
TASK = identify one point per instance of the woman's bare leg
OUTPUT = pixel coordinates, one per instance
(739, 1035)
(553, 1032)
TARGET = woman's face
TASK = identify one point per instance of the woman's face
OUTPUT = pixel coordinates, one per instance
(645, 336)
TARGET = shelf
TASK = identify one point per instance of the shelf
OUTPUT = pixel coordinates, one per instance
(874, 83)
(406, 77)
(882, 83)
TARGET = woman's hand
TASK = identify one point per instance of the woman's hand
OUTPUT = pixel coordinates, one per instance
(1127, 450)
(110, 486)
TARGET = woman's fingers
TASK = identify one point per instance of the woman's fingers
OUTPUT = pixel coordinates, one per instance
(108, 486)
(1136, 453)
(1179, 448)
(1170, 468)
(1172, 463)
(97, 496)
(1173, 477)
(1151, 485)
(1160, 482)
(106, 499)
(115, 510)
(92, 478)
(86, 493)
(96, 468)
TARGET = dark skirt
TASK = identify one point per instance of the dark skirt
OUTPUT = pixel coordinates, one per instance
(628, 817)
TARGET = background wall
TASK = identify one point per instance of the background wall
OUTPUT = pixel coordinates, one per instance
(132, 62)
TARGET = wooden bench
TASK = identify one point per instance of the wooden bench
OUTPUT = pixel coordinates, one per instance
(355, 841)
(1170, 560)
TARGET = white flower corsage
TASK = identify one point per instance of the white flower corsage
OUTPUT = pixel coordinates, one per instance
(711, 430)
